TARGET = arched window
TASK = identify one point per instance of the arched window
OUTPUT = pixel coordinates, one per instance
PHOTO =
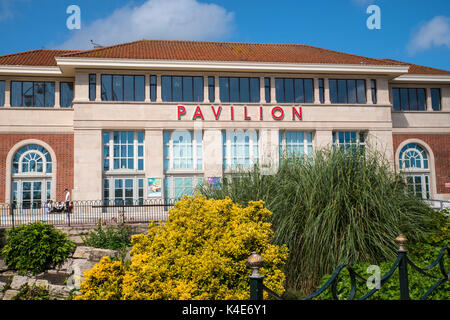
(414, 166)
(31, 177)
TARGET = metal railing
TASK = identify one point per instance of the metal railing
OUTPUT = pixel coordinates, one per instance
(257, 286)
(438, 204)
(84, 212)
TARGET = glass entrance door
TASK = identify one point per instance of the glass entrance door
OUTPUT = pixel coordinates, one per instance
(31, 194)
(419, 184)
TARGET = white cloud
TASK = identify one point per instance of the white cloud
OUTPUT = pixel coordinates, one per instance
(155, 19)
(434, 33)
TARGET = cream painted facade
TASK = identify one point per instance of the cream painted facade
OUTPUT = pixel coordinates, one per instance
(87, 120)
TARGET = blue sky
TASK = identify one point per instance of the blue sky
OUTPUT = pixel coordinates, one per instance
(414, 31)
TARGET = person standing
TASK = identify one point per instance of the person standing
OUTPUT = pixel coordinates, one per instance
(67, 200)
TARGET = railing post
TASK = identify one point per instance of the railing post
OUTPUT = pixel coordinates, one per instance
(403, 267)
(255, 261)
(11, 212)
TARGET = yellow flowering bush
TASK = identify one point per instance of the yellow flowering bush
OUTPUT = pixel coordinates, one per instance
(200, 252)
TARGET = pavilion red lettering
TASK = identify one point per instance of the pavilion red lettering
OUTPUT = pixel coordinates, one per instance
(232, 113)
(274, 113)
(181, 111)
(216, 114)
(246, 117)
(296, 113)
(198, 113)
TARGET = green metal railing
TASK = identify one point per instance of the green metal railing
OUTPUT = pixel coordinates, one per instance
(257, 286)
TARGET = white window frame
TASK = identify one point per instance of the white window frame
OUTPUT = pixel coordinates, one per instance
(197, 140)
(228, 160)
(306, 143)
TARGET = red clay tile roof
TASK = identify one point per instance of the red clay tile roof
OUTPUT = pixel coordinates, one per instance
(225, 51)
(39, 57)
(209, 51)
(418, 69)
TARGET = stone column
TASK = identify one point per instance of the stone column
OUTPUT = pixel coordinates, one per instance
(57, 94)
(262, 91)
(326, 89)
(369, 91)
(154, 156)
(7, 94)
(268, 150)
(429, 106)
(273, 98)
(98, 87)
(158, 88)
(88, 165)
(212, 153)
(323, 139)
(316, 91)
(216, 89)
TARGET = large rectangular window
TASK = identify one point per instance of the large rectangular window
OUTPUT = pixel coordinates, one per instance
(239, 89)
(436, 99)
(123, 151)
(2, 93)
(183, 150)
(349, 91)
(32, 94)
(409, 99)
(295, 143)
(66, 94)
(294, 90)
(182, 88)
(240, 149)
(123, 87)
(179, 186)
(92, 86)
(123, 190)
(349, 139)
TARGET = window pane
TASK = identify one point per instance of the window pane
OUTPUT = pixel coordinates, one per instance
(117, 88)
(279, 90)
(177, 91)
(373, 84)
(139, 88)
(321, 91)
(404, 105)
(224, 89)
(92, 86)
(421, 103)
(211, 89)
(39, 93)
(412, 96)
(361, 91)
(288, 90)
(166, 88)
(333, 90)
(254, 90)
(128, 88)
(152, 88)
(106, 87)
(342, 91)
(267, 89)
(234, 89)
(436, 99)
(16, 93)
(309, 90)
(27, 94)
(198, 89)
(188, 87)
(244, 89)
(66, 94)
(351, 91)
(396, 98)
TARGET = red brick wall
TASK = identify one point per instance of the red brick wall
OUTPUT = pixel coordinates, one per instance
(62, 145)
(440, 145)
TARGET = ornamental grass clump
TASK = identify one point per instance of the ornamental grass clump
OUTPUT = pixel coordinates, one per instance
(199, 253)
(336, 206)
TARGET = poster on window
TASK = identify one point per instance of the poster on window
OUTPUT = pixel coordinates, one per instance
(154, 187)
(214, 182)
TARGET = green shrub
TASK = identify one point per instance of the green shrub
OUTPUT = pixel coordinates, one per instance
(109, 237)
(32, 293)
(334, 207)
(421, 254)
(35, 248)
